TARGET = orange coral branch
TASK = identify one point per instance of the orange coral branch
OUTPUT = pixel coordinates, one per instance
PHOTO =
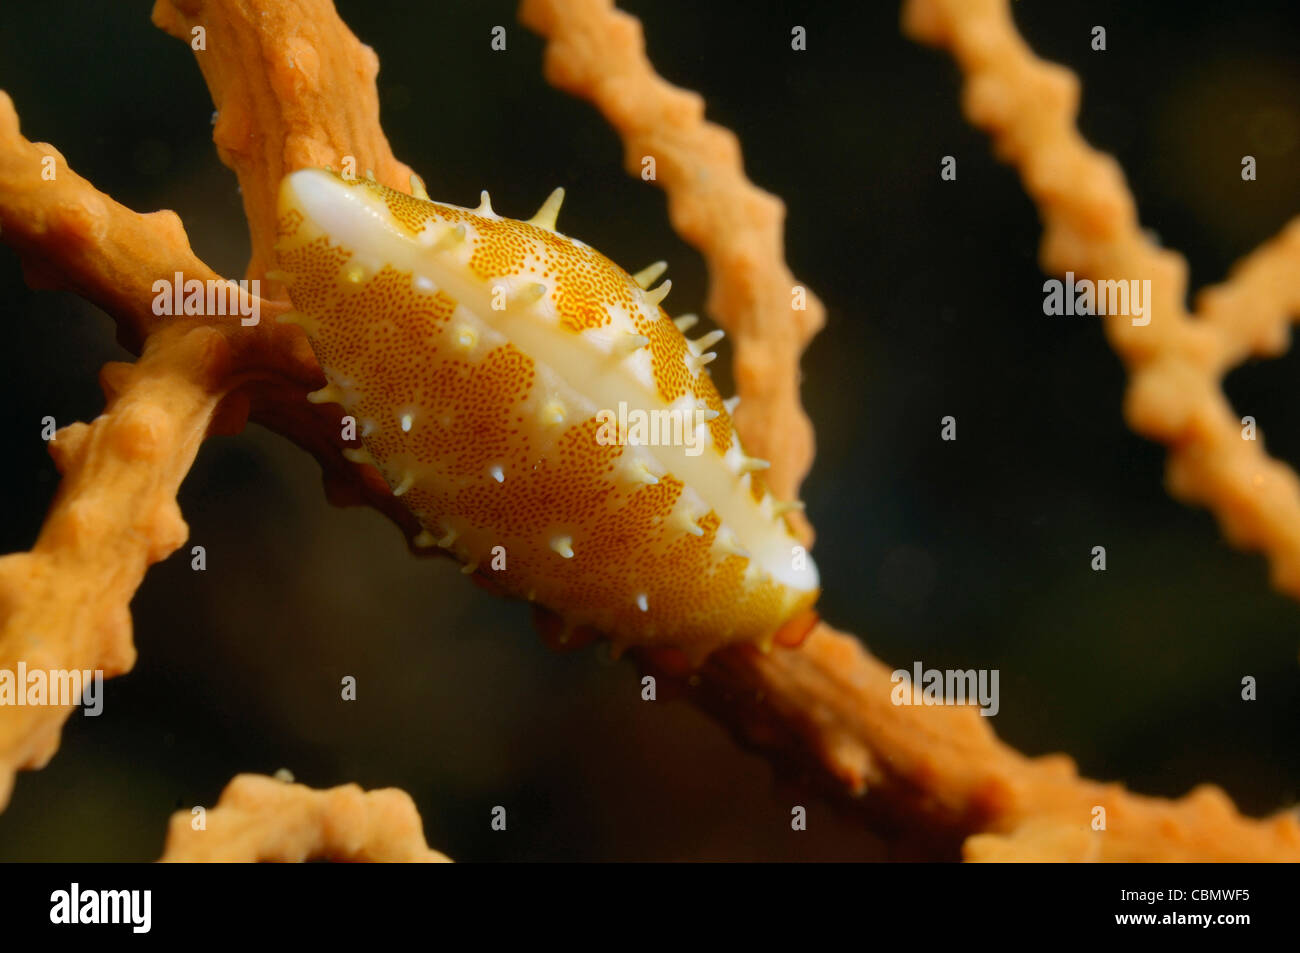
(116, 511)
(261, 819)
(64, 605)
(293, 88)
(943, 771)
(1091, 227)
(69, 235)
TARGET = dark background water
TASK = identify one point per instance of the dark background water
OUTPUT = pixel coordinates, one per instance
(973, 554)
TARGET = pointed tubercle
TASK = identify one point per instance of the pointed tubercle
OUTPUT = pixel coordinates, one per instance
(628, 342)
(656, 295)
(546, 215)
(702, 344)
(329, 394)
(405, 483)
(650, 274)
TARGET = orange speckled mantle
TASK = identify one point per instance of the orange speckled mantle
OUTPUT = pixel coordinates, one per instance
(479, 356)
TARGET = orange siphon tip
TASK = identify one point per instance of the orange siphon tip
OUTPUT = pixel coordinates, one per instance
(795, 632)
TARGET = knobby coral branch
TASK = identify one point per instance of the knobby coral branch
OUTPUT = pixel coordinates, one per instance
(63, 606)
(69, 235)
(293, 89)
(116, 512)
(944, 774)
(261, 819)
(1178, 360)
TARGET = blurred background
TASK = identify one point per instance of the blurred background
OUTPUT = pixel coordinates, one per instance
(967, 554)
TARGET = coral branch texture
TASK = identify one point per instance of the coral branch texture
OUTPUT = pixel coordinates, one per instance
(1090, 227)
(294, 88)
(261, 819)
(64, 604)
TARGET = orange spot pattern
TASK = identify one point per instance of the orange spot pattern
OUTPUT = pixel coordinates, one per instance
(584, 285)
(475, 413)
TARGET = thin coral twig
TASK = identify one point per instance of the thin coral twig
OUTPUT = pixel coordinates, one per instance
(1178, 360)
(63, 606)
